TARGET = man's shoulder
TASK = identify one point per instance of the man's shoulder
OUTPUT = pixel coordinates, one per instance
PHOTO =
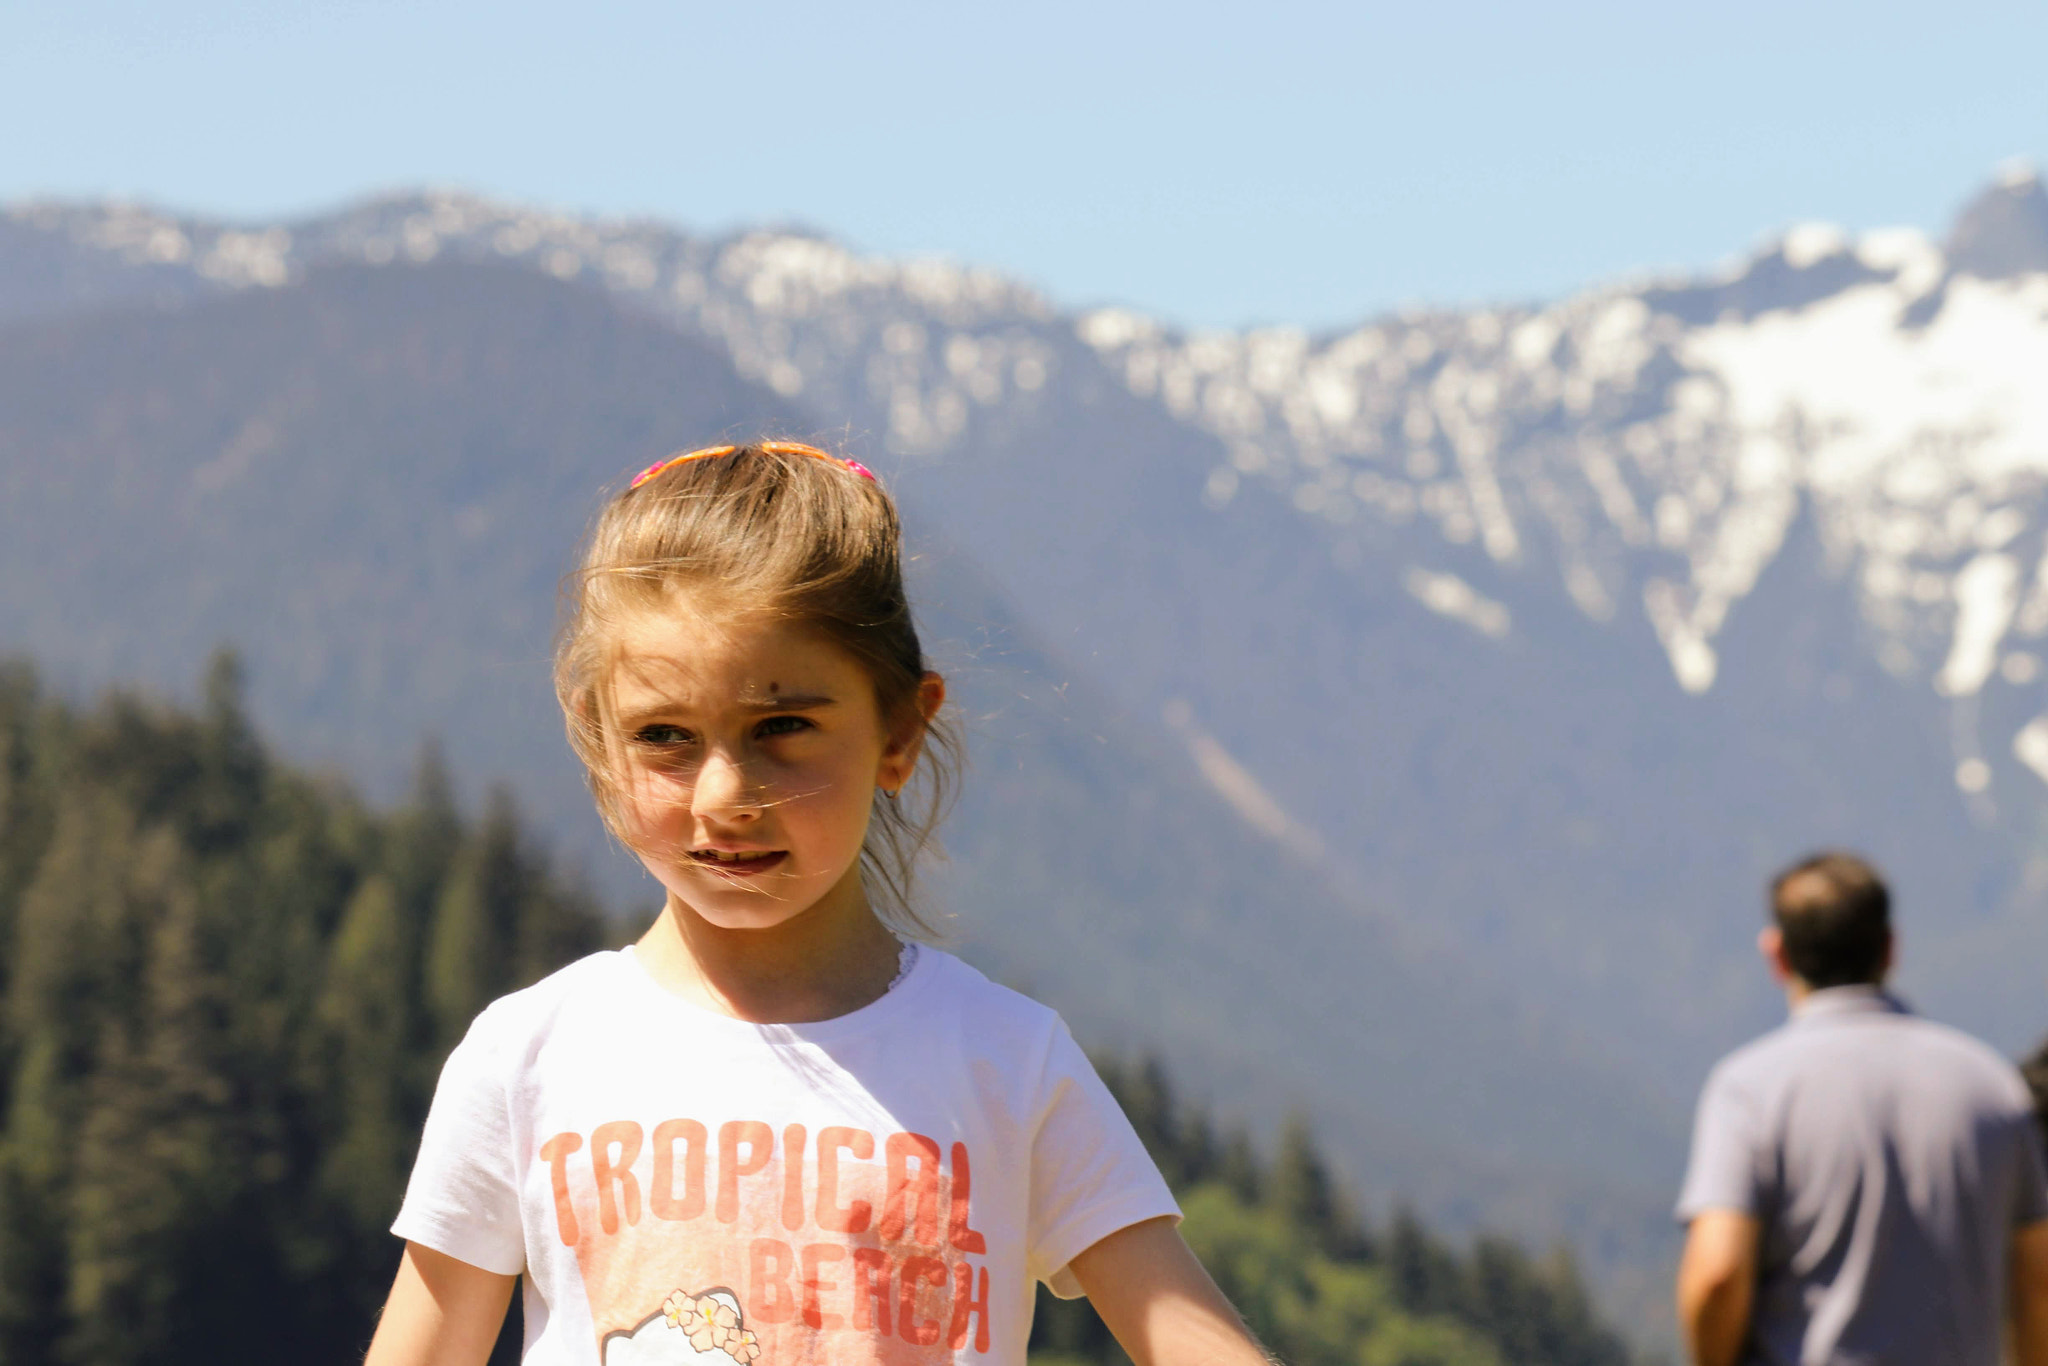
(1876, 1041)
(1909, 1040)
(1762, 1056)
(1966, 1058)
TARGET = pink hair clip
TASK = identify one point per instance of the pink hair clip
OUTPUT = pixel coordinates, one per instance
(772, 447)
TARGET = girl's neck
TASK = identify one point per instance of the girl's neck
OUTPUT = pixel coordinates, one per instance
(822, 964)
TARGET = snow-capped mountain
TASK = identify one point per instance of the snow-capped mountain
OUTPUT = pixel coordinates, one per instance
(1643, 447)
(1546, 631)
(1647, 447)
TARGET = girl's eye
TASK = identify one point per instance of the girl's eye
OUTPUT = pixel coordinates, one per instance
(660, 735)
(781, 725)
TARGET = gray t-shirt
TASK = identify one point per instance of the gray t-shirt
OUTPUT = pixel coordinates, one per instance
(1890, 1160)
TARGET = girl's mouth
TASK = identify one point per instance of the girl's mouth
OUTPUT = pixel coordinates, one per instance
(739, 862)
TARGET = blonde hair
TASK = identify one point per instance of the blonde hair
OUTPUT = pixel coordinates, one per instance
(783, 528)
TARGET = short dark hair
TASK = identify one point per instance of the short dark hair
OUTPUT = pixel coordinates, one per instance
(1835, 915)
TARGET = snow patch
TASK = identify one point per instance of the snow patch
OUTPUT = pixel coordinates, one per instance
(1987, 594)
(1450, 596)
(1973, 776)
(1685, 643)
(2030, 746)
(1868, 395)
(2017, 173)
(1107, 329)
(1808, 244)
(1908, 254)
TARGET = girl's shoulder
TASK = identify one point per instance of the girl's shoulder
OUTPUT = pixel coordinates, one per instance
(962, 1013)
(956, 985)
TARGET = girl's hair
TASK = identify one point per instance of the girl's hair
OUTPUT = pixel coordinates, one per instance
(773, 527)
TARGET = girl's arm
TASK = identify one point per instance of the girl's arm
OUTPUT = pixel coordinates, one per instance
(442, 1312)
(1160, 1303)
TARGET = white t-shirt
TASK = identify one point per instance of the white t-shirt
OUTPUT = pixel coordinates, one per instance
(680, 1186)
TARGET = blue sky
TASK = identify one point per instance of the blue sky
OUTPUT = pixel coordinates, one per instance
(1217, 164)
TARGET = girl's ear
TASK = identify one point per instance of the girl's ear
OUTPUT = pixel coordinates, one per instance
(906, 739)
(931, 695)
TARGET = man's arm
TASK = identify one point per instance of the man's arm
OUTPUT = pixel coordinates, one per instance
(1717, 1285)
(2029, 1297)
(1159, 1302)
(442, 1312)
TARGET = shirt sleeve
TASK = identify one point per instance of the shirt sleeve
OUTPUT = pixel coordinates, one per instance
(463, 1198)
(1723, 1172)
(1090, 1176)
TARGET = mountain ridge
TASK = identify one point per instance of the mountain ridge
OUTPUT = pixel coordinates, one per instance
(766, 296)
(372, 628)
(1543, 633)
(784, 279)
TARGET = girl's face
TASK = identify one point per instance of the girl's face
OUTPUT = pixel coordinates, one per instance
(748, 750)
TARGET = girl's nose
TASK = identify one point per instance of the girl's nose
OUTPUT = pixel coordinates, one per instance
(724, 789)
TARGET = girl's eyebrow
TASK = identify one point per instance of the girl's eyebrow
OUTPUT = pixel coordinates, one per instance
(792, 701)
(788, 701)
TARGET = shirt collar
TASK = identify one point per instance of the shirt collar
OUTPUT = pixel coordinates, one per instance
(1858, 999)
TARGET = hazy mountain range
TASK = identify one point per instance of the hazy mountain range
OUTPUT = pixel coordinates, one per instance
(1396, 723)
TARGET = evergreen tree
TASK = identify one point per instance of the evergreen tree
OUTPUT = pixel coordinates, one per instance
(364, 1038)
(498, 923)
(227, 790)
(1302, 1191)
(25, 813)
(1426, 1277)
(458, 973)
(424, 836)
(1238, 1168)
(67, 956)
(421, 842)
(156, 1167)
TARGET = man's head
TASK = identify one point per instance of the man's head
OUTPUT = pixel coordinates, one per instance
(1831, 923)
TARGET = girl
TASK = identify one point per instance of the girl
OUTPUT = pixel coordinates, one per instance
(777, 1129)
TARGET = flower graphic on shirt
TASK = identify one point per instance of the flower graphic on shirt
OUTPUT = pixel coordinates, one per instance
(701, 1328)
(710, 1324)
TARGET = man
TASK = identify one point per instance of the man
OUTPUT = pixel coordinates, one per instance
(1866, 1187)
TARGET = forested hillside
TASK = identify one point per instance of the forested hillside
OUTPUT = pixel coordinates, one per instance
(225, 993)
(1319, 1285)
(228, 987)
